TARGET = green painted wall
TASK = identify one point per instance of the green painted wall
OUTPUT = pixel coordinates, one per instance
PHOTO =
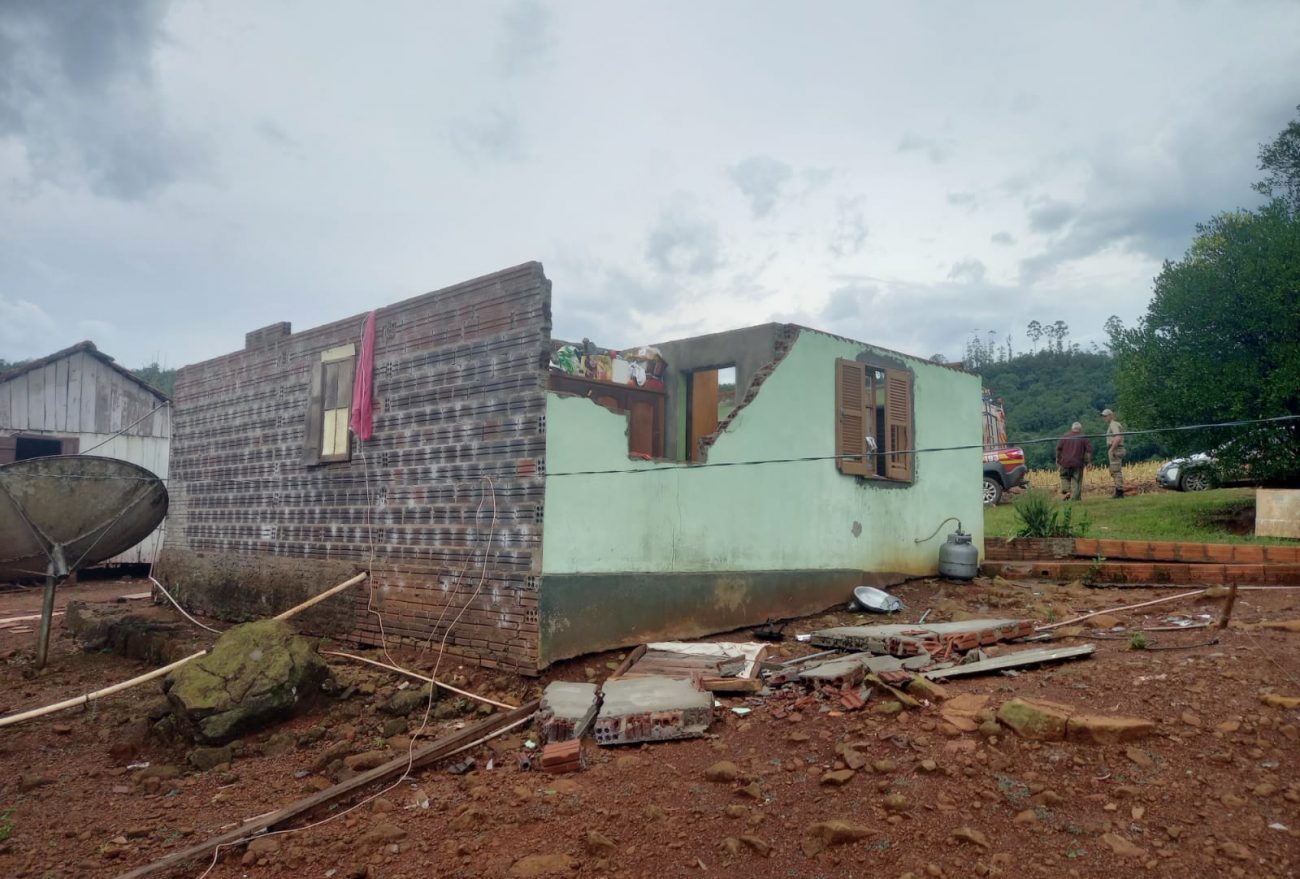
(774, 517)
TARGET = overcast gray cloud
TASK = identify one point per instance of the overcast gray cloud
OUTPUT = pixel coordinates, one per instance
(78, 93)
(527, 37)
(935, 149)
(175, 174)
(681, 242)
(850, 231)
(967, 271)
(492, 135)
(761, 179)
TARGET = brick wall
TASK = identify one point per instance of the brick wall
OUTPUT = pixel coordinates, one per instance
(460, 385)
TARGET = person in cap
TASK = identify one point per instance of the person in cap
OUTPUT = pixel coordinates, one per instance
(1072, 453)
(1115, 449)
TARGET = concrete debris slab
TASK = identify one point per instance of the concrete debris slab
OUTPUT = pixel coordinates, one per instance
(567, 710)
(1013, 660)
(916, 639)
(846, 671)
(649, 709)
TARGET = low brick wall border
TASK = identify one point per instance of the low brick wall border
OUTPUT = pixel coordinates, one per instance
(1064, 548)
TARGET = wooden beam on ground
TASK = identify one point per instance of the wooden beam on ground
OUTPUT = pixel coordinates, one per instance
(1227, 606)
(1012, 660)
(630, 661)
(422, 757)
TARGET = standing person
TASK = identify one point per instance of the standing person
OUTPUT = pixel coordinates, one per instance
(1115, 449)
(1072, 453)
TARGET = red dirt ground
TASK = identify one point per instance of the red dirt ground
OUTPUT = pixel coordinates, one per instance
(1197, 799)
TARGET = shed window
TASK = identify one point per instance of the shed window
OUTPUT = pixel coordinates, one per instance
(873, 421)
(329, 407)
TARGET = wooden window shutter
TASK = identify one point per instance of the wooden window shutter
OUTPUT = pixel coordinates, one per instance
(898, 425)
(69, 446)
(851, 418)
(311, 442)
(8, 449)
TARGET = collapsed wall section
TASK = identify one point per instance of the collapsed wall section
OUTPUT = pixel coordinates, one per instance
(443, 505)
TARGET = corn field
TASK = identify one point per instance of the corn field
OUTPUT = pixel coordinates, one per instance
(1139, 478)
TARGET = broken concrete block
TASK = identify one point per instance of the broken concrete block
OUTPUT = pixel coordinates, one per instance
(652, 709)
(845, 671)
(917, 639)
(567, 710)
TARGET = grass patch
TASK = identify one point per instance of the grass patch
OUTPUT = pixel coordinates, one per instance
(1197, 517)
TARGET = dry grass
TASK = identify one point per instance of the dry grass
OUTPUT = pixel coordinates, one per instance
(1139, 478)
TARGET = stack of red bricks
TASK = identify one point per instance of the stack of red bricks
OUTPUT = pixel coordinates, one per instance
(558, 757)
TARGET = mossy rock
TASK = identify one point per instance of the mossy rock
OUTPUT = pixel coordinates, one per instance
(256, 673)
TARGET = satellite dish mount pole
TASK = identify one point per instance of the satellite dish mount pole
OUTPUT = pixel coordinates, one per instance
(58, 572)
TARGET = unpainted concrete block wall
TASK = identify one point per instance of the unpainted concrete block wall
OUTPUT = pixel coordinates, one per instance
(459, 438)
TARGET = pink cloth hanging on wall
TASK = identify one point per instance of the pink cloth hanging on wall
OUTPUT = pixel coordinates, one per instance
(363, 386)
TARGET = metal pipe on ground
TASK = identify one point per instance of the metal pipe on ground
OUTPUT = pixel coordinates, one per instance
(159, 672)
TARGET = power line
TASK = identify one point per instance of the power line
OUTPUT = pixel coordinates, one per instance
(668, 467)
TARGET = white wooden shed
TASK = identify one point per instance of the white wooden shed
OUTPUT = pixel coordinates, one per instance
(81, 401)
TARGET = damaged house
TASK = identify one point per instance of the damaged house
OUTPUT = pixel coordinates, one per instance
(550, 498)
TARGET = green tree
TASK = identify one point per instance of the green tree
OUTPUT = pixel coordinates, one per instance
(162, 379)
(1280, 160)
(1219, 343)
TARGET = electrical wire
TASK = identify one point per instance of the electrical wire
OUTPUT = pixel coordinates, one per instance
(124, 430)
(428, 709)
(660, 467)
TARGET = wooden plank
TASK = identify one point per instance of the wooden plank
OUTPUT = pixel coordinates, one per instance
(1012, 660)
(76, 366)
(731, 685)
(631, 660)
(36, 400)
(59, 394)
(52, 397)
(89, 382)
(18, 404)
(424, 756)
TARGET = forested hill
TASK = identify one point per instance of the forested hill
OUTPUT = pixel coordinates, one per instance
(1044, 392)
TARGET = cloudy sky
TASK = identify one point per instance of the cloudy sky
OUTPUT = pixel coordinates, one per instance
(173, 175)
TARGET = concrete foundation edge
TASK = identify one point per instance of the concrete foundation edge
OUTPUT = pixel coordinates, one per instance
(240, 588)
(586, 613)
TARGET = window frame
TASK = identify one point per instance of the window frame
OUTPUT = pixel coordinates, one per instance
(875, 416)
(326, 405)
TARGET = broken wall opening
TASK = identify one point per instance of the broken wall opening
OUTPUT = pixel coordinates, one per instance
(626, 382)
(678, 396)
(710, 398)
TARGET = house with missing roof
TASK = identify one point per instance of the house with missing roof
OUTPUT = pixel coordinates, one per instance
(81, 401)
(552, 498)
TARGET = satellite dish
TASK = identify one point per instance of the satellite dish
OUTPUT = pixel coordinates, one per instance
(63, 513)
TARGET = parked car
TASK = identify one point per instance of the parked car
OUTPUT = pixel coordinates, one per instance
(1263, 458)
(1196, 472)
(1004, 465)
(1004, 469)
